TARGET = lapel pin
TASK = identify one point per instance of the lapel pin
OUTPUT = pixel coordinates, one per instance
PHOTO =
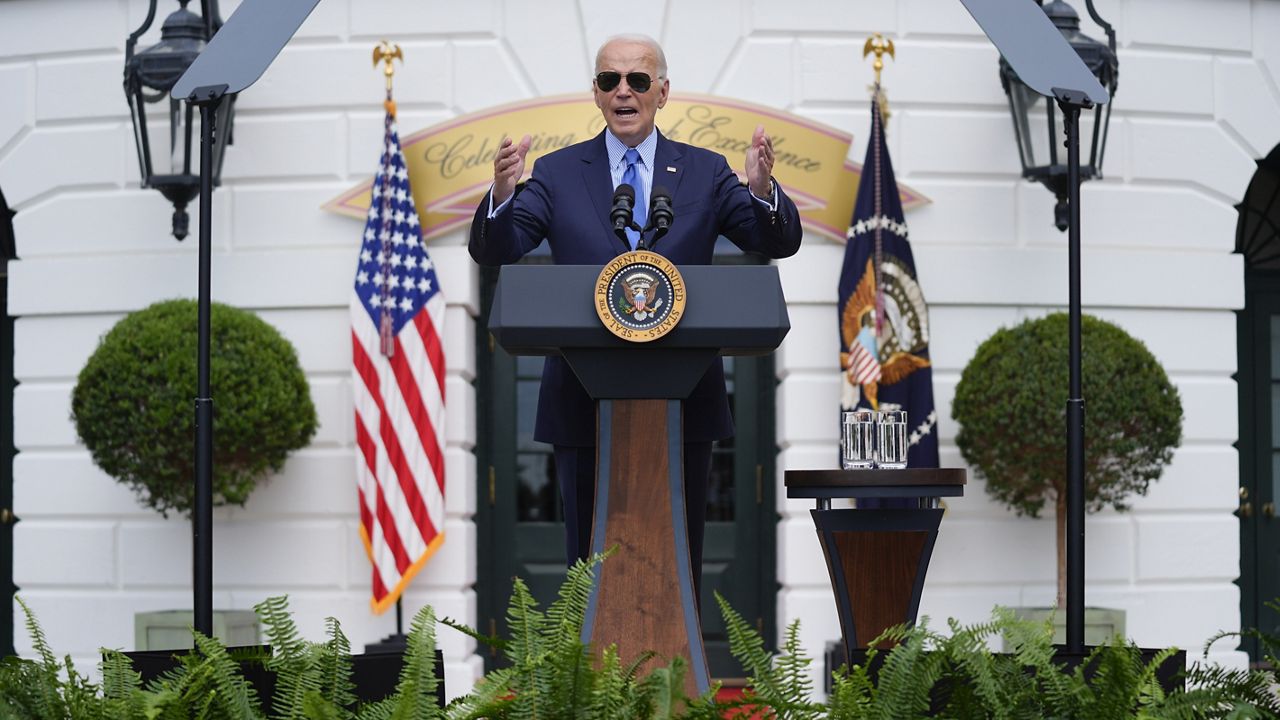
(670, 169)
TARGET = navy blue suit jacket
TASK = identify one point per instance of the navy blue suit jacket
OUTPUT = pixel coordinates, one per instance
(567, 202)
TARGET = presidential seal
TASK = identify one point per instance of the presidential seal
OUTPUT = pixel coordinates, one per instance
(640, 296)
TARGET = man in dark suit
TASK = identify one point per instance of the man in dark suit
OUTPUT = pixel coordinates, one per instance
(567, 202)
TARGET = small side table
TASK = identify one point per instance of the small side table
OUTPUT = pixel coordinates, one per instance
(877, 558)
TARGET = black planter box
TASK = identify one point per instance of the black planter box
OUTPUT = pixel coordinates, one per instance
(375, 674)
(1169, 674)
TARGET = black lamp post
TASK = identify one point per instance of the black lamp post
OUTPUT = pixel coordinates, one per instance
(1039, 123)
(148, 76)
(1063, 113)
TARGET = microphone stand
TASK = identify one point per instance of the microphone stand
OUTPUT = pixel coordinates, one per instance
(621, 232)
(658, 232)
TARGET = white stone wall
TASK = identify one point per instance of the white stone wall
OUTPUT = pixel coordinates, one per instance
(1198, 101)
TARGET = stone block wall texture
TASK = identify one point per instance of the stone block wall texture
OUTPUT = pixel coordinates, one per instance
(1199, 101)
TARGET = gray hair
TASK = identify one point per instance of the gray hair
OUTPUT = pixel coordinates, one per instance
(641, 40)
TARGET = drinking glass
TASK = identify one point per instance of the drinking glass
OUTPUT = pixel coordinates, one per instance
(857, 439)
(891, 433)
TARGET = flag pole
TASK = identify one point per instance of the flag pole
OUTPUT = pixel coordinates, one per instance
(881, 46)
(386, 53)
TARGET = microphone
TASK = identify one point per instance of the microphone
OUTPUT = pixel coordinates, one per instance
(624, 201)
(660, 214)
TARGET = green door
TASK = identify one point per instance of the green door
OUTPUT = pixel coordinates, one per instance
(1258, 379)
(1259, 383)
(519, 520)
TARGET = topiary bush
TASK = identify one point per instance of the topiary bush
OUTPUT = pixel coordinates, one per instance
(1010, 405)
(134, 403)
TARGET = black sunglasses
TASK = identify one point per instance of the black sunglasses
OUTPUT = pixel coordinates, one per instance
(637, 81)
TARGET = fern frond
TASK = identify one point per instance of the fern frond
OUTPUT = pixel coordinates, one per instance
(379, 710)
(663, 692)
(292, 660)
(570, 675)
(491, 698)
(908, 675)
(606, 697)
(745, 644)
(791, 667)
(493, 641)
(529, 654)
(416, 691)
(317, 707)
(121, 686)
(780, 681)
(852, 694)
(232, 693)
(1218, 688)
(336, 669)
(43, 695)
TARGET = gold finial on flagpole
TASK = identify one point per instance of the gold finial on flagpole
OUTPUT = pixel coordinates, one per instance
(881, 46)
(386, 52)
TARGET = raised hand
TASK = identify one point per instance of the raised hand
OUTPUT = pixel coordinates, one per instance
(760, 164)
(508, 166)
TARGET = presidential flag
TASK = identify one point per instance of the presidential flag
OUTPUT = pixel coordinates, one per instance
(398, 373)
(884, 321)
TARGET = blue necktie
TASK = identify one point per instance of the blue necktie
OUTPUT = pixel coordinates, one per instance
(632, 177)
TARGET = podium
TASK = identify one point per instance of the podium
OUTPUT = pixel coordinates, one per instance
(877, 558)
(643, 598)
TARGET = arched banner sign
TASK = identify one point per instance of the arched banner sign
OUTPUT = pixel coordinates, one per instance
(451, 164)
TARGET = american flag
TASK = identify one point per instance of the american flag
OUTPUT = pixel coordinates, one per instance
(398, 369)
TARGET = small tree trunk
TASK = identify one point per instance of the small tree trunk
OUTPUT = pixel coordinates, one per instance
(1061, 507)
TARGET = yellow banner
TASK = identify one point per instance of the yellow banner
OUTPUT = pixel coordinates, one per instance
(451, 164)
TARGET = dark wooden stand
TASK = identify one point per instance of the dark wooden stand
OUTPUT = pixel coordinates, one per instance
(877, 558)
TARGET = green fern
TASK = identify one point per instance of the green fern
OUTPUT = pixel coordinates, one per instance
(235, 697)
(490, 698)
(294, 662)
(907, 678)
(44, 696)
(336, 669)
(416, 691)
(1214, 691)
(206, 684)
(779, 682)
(554, 675)
(44, 688)
(122, 693)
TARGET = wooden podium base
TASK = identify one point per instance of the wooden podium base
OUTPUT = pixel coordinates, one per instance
(643, 597)
(877, 560)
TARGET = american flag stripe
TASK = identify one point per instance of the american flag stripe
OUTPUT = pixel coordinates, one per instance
(396, 526)
(379, 547)
(412, 395)
(398, 381)
(397, 538)
(405, 456)
(428, 325)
